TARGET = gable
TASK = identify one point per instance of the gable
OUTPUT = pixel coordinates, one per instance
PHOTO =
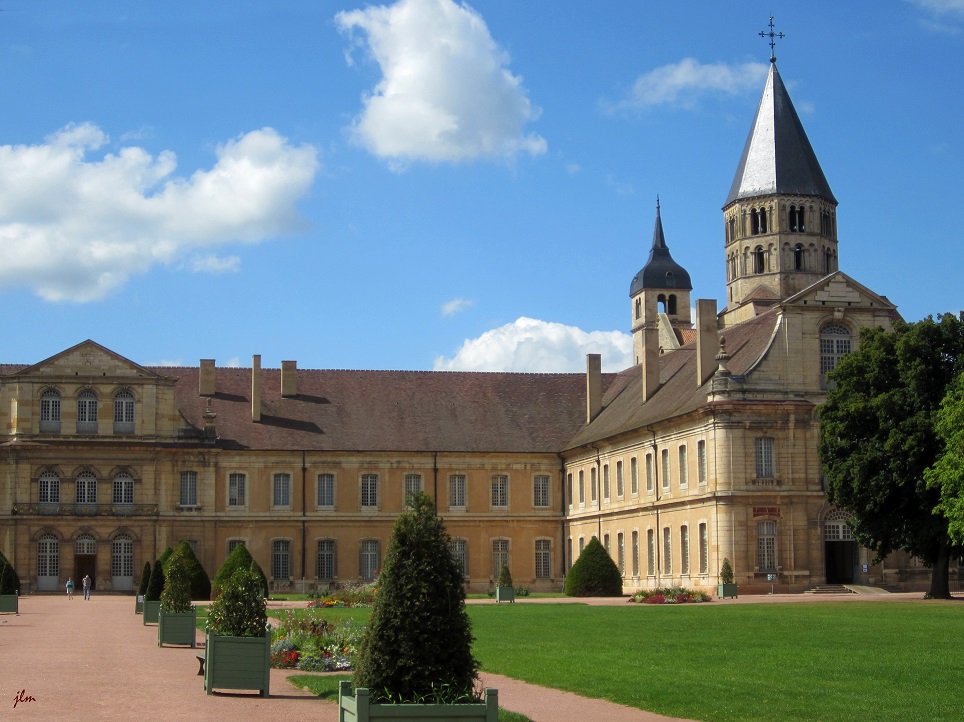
(838, 290)
(88, 359)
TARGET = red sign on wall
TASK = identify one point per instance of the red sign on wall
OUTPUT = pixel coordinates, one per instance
(766, 511)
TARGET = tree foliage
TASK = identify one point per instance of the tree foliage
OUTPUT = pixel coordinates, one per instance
(156, 584)
(239, 558)
(594, 574)
(145, 580)
(200, 584)
(418, 643)
(878, 436)
(176, 597)
(9, 580)
(947, 474)
(241, 609)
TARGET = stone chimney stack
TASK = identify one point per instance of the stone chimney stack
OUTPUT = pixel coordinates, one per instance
(289, 378)
(650, 338)
(207, 384)
(706, 341)
(593, 386)
(256, 387)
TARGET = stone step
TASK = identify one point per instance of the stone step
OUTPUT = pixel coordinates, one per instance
(828, 589)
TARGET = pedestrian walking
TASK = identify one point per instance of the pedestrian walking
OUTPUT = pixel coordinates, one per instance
(70, 588)
(87, 587)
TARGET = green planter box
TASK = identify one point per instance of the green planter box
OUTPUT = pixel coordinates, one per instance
(504, 594)
(726, 590)
(139, 604)
(237, 663)
(358, 708)
(151, 610)
(177, 628)
(10, 603)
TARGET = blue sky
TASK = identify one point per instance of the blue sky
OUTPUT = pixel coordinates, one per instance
(426, 184)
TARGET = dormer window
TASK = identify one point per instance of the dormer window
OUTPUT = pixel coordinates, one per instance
(50, 412)
(124, 412)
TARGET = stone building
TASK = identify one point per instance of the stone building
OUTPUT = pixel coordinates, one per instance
(705, 449)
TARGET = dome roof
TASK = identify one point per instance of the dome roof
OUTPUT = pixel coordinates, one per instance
(660, 271)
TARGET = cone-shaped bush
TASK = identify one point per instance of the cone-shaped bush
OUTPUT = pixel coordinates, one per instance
(241, 608)
(594, 574)
(505, 577)
(239, 558)
(13, 585)
(156, 585)
(418, 643)
(165, 558)
(145, 580)
(176, 597)
(200, 584)
(726, 572)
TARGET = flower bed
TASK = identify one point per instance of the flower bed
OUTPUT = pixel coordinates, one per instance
(350, 595)
(308, 642)
(676, 595)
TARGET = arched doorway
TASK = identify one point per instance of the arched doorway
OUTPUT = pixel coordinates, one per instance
(840, 549)
(85, 559)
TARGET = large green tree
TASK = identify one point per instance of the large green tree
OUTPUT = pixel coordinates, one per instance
(878, 436)
(947, 474)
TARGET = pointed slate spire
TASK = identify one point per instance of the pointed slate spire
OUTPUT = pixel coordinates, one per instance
(778, 158)
(660, 271)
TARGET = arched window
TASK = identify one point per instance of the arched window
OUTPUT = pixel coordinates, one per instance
(85, 544)
(671, 305)
(49, 492)
(50, 412)
(661, 303)
(836, 528)
(124, 412)
(86, 488)
(759, 260)
(834, 345)
(754, 222)
(638, 308)
(87, 412)
(123, 490)
(798, 257)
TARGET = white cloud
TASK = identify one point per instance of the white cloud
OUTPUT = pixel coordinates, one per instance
(450, 308)
(683, 84)
(216, 264)
(529, 345)
(74, 228)
(445, 94)
(940, 7)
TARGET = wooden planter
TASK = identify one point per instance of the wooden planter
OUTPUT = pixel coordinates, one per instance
(358, 708)
(151, 611)
(237, 663)
(726, 590)
(139, 604)
(504, 594)
(177, 628)
(9, 603)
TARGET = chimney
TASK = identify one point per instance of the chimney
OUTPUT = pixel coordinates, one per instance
(650, 336)
(706, 340)
(593, 386)
(206, 379)
(289, 378)
(256, 387)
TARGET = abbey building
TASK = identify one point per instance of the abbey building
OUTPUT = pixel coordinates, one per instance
(705, 449)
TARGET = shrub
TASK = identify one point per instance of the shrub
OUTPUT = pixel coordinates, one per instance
(200, 584)
(145, 580)
(674, 595)
(176, 597)
(165, 558)
(13, 580)
(239, 558)
(505, 577)
(594, 574)
(418, 644)
(156, 585)
(241, 609)
(726, 572)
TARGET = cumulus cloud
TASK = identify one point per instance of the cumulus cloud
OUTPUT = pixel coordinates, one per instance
(683, 84)
(530, 345)
(450, 308)
(74, 228)
(446, 94)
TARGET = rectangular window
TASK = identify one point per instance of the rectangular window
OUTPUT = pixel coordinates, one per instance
(635, 553)
(606, 482)
(650, 553)
(582, 545)
(413, 484)
(281, 490)
(369, 492)
(543, 559)
(606, 543)
(326, 559)
(457, 490)
(582, 488)
(764, 458)
(540, 491)
(460, 553)
(667, 550)
(766, 550)
(665, 459)
(188, 488)
(684, 550)
(370, 557)
(649, 473)
(500, 556)
(123, 490)
(684, 478)
(701, 461)
(569, 489)
(237, 489)
(326, 490)
(633, 477)
(704, 550)
(500, 491)
(281, 559)
(232, 543)
(49, 489)
(86, 489)
(621, 554)
(592, 485)
(619, 479)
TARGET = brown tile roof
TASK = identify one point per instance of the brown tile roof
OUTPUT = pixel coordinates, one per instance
(623, 406)
(392, 410)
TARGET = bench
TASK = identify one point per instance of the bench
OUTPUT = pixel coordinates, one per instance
(200, 659)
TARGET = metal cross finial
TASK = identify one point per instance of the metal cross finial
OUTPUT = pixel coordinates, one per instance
(772, 35)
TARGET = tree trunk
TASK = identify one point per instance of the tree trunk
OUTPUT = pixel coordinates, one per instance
(940, 583)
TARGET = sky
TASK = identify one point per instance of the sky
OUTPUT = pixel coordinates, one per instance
(428, 184)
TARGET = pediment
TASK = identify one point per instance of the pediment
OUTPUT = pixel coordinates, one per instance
(838, 290)
(88, 360)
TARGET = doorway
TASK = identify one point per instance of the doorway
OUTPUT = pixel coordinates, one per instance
(840, 549)
(85, 560)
